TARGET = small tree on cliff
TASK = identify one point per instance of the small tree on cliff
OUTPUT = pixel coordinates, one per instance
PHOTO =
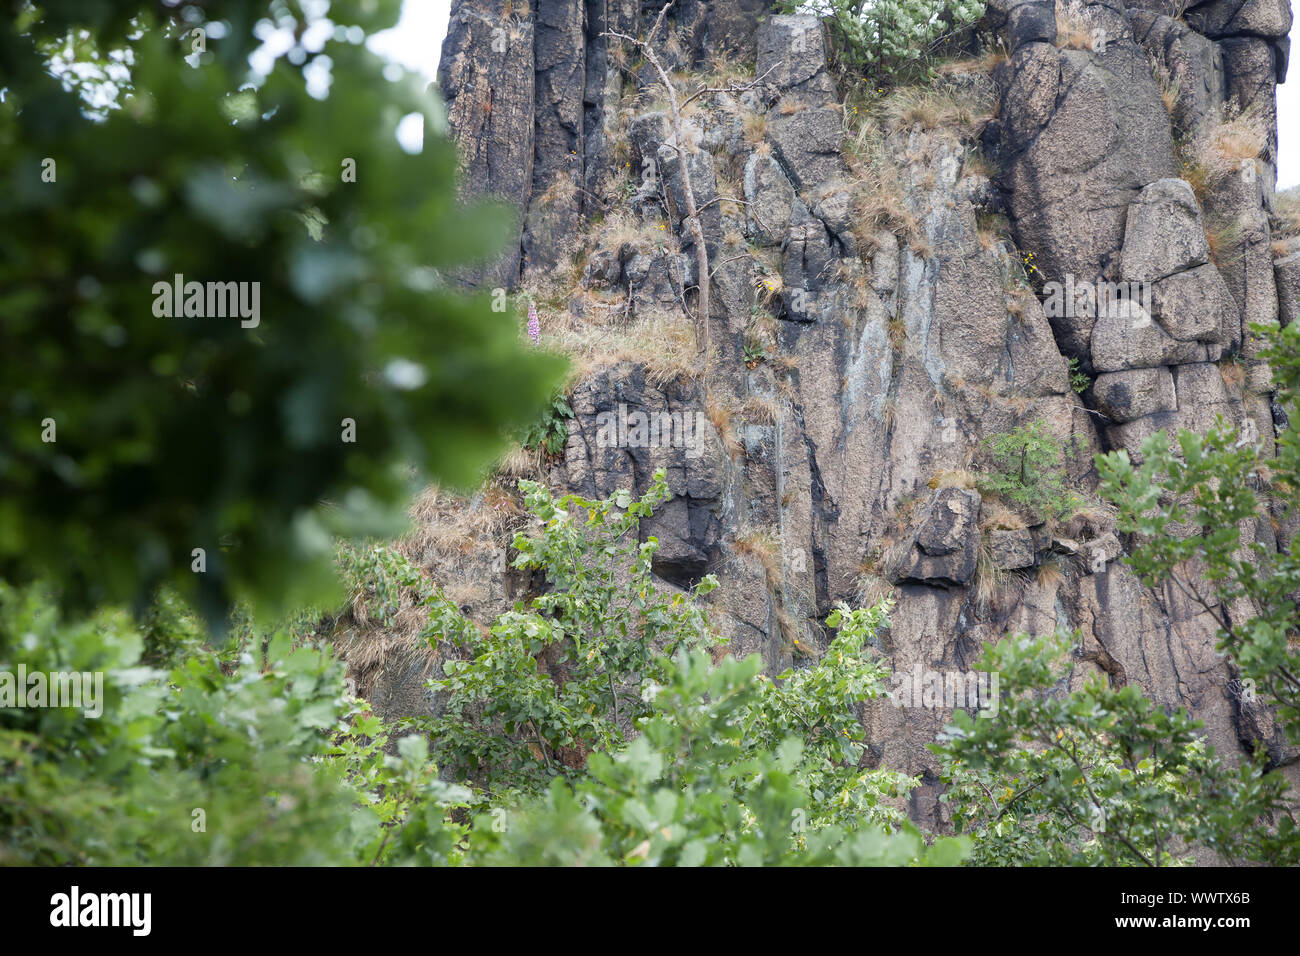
(889, 40)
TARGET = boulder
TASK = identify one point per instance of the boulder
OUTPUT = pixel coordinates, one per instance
(792, 56)
(947, 540)
(1011, 549)
(1124, 396)
(1194, 304)
(1129, 338)
(1099, 552)
(1164, 232)
(808, 143)
(1286, 273)
(770, 194)
(1221, 18)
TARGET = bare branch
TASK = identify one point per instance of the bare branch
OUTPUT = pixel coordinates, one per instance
(704, 90)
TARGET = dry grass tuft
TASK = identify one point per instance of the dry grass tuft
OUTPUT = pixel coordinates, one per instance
(1225, 242)
(953, 478)
(1072, 29)
(933, 108)
(663, 343)
(1228, 148)
(720, 415)
(988, 576)
(995, 516)
(764, 546)
(1050, 574)
(992, 58)
(1233, 373)
(1286, 217)
(761, 409)
(878, 199)
(755, 128)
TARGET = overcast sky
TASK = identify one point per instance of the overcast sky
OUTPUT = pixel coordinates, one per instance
(416, 42)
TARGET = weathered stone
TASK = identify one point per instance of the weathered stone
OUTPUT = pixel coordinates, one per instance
(1126, 337)
(770, 195)
(806, 264)
(912, 352)
(835, 209)
(1201, 396)
(655, 280)
(1124, 396)
(603, 269)
(1099, 552)
(560, 60)
(1031, 22)
(947, 540)
(1194, 66)
(1063, 545)
(1220, 18)
(1011, 549)
(792, 56)
(1194, 304)
(490, 103)
(1164, 233)
(1286, 273)
(808, 143)
(1082, 135)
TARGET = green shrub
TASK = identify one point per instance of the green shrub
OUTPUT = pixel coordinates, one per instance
(1099, 777)
(551, 430)
(889, 40)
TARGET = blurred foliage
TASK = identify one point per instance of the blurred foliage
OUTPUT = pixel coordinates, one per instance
(183, 735)
(179, 433)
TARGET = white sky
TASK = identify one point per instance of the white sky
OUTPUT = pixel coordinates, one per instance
(416, 42)
(1288, 118)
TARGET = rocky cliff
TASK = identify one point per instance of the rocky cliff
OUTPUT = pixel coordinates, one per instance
(895, 276)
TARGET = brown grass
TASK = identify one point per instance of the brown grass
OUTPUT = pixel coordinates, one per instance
(1233, 373)
(1169, 89)
(763, 546)
(931, 108)
(952, 478)
(1049, 574)
(995, 516)
(761, 409)
(992, 58)
(1224, 151)
(1072, 29)
(1286, 216)
(720, 414)
(878, 199)
(663, 343)
(1225, 241)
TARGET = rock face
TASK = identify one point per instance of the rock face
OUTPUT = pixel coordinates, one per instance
(860, 360)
